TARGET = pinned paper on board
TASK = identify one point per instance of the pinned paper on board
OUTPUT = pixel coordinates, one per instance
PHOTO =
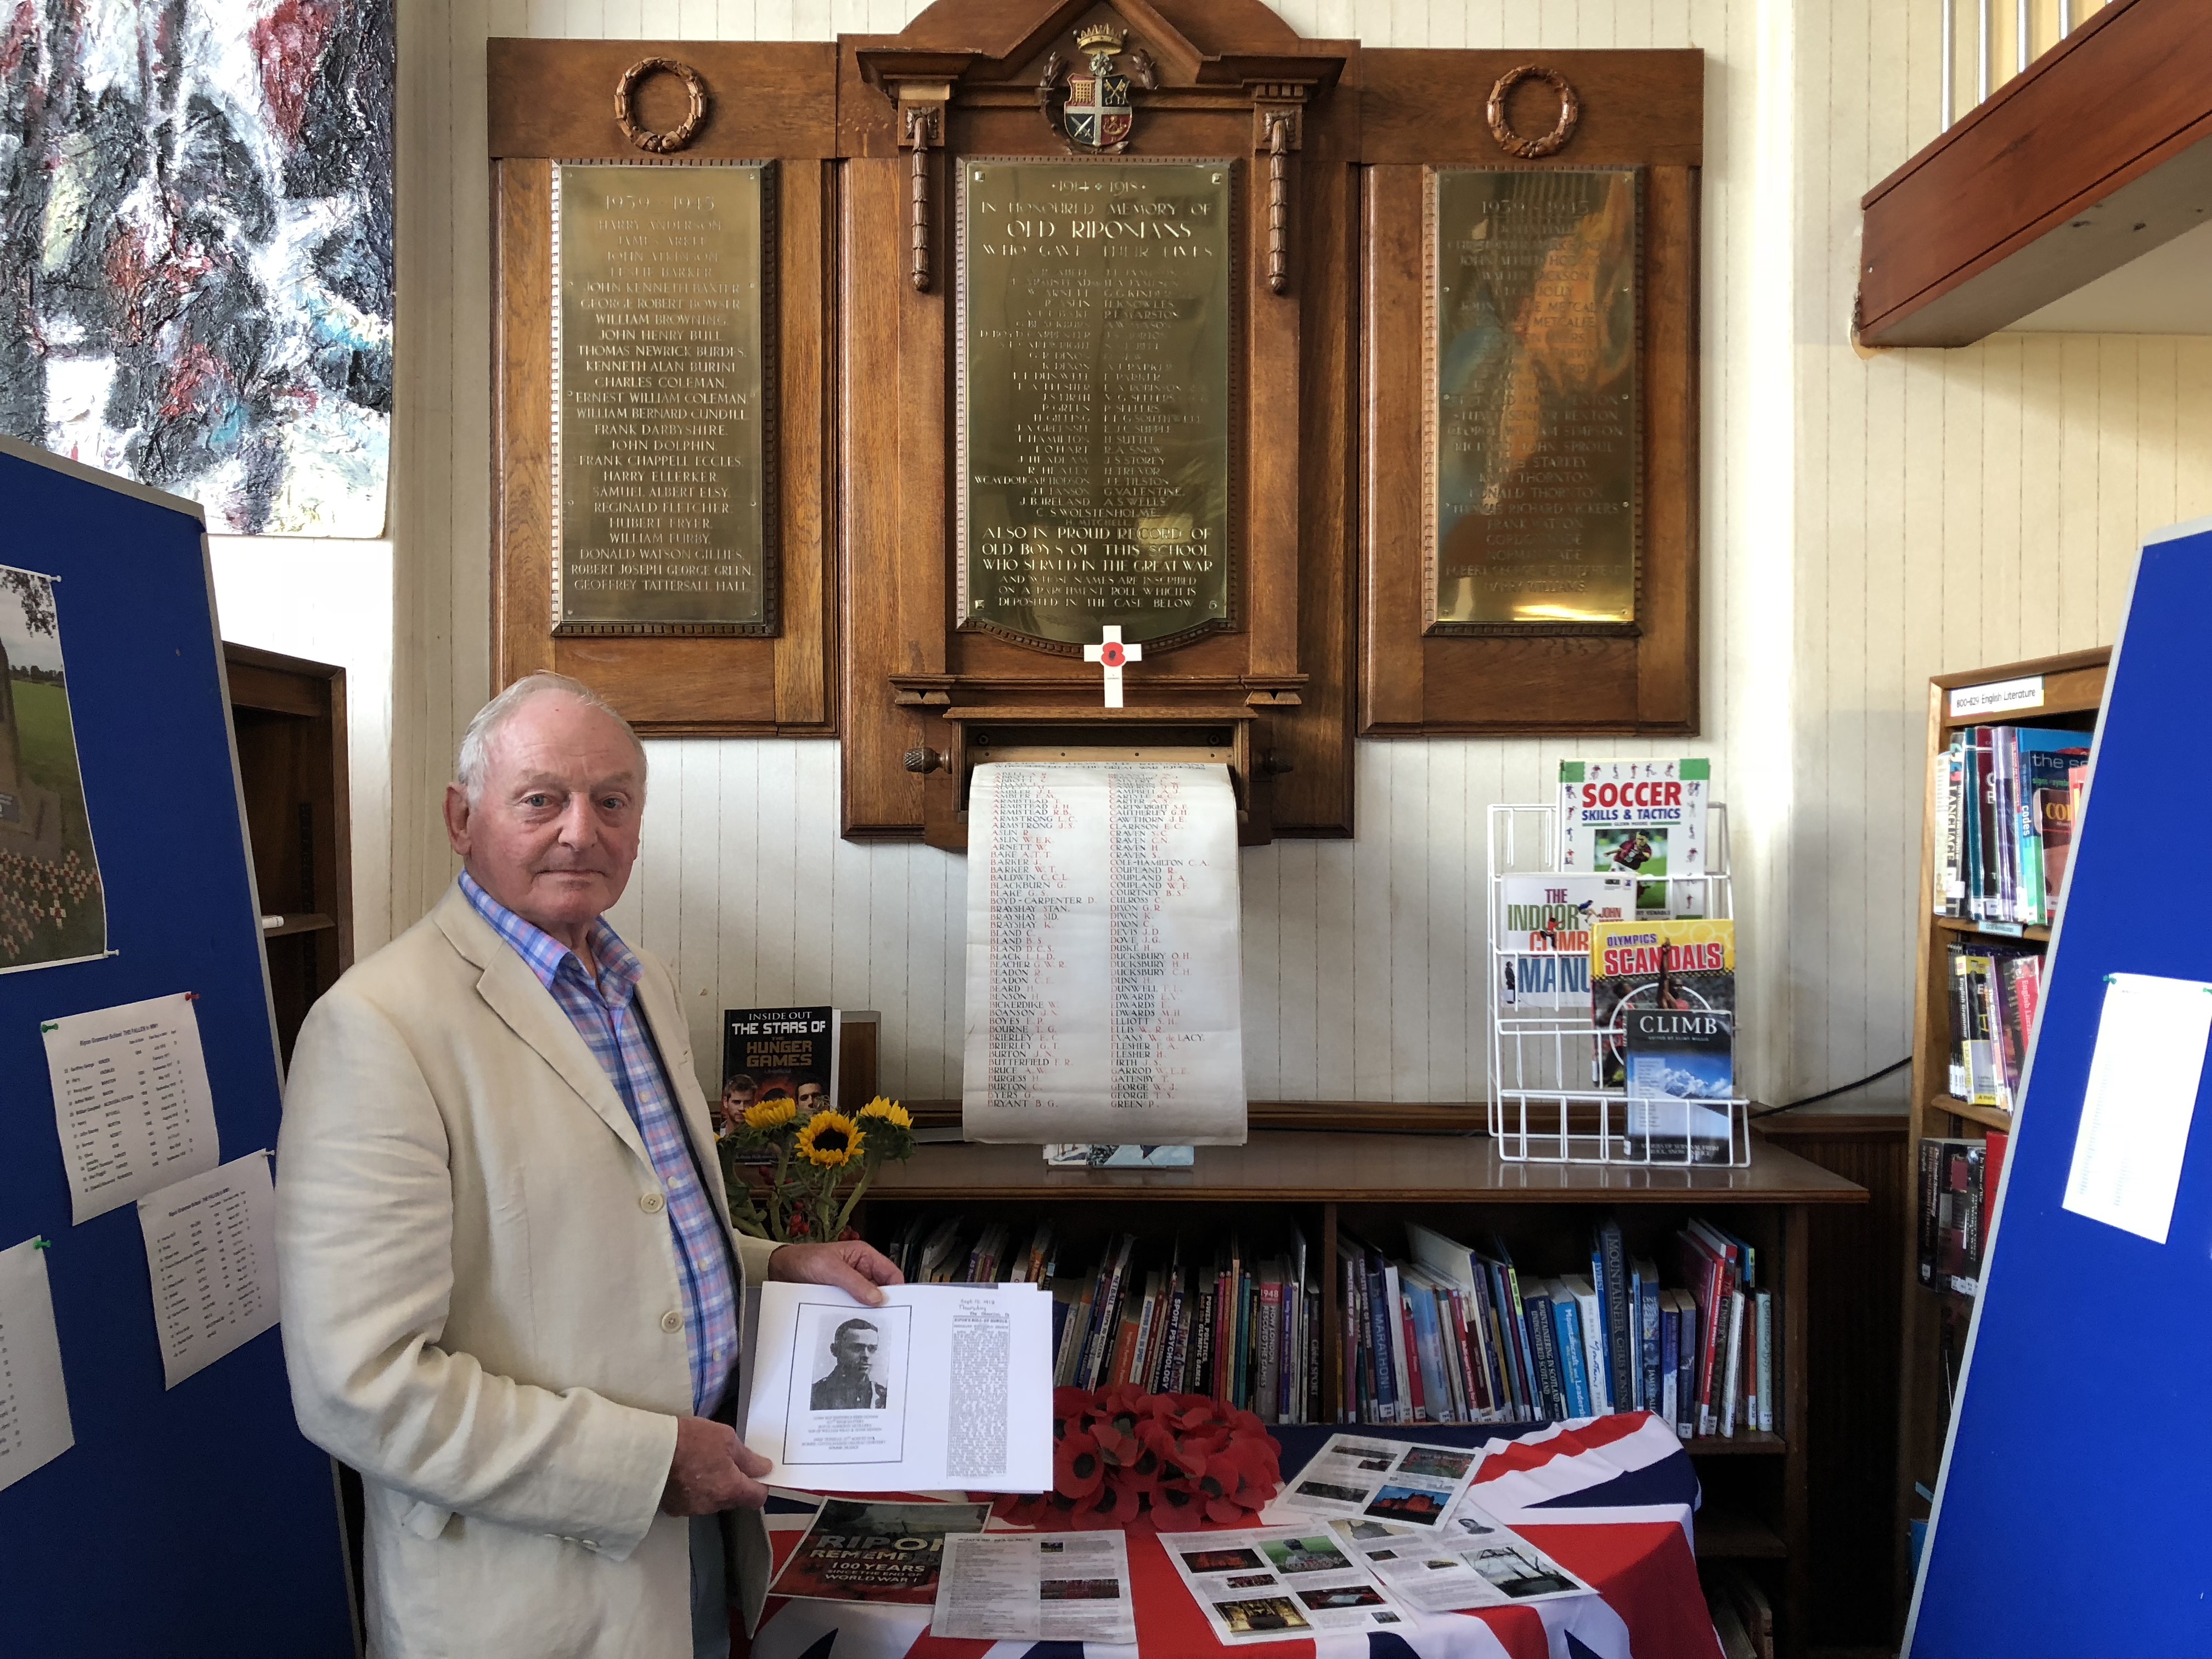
(211, 1252)
(2142, 1099)
(132, 1100)
(35, 1413)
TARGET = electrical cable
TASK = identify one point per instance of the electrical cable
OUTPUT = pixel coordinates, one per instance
(1841, 1088)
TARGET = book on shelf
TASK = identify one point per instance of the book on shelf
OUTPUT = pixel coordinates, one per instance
(1468, 1336)
(2005, 797)
(1640, 818)
(1958, 1192)
(1544, 963)
(1996, 994)
(1242, 1328)
(1685, 966)
(769, 1054)
(1681, 1079)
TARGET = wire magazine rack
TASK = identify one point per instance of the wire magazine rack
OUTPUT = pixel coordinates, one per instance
(1546, 1105)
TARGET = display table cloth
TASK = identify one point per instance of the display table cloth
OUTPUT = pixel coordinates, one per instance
(1611, 1498)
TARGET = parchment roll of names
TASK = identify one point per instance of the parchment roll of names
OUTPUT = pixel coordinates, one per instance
(1104, 975)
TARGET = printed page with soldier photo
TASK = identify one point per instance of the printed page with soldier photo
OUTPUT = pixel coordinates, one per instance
(945, 1386)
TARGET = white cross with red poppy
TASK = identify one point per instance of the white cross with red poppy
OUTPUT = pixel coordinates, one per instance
(1109, 653)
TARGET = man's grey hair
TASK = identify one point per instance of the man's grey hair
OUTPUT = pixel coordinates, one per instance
(473, 763)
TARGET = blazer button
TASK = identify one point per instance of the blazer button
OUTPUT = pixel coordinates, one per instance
(652, 1203)
(671, 1322)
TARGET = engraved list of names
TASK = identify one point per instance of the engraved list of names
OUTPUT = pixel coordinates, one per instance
(1094, 382)
(1533, 429)
(1104, 967)
(659, 419)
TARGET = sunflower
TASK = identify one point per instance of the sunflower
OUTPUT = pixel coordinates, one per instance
(889, 1110)
(830, 1139)
(771, 1113)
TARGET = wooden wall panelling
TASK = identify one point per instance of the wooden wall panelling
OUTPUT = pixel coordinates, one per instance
(1420, 109)
(1287, 659)
(553, 100)
(1851, 1346)
(885, 621)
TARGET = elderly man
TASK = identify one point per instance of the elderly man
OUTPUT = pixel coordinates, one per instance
(511, 1294)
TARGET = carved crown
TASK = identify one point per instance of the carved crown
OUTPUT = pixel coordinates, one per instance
(1098, 37)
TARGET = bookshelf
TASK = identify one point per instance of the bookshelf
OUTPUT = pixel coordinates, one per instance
(288, 718)
(2073, 689)
(1755, 1484)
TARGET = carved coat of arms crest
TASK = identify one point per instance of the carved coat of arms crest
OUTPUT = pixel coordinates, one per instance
(1089, 105)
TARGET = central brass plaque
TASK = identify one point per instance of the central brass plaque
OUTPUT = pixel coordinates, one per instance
(1532, 430)
(661, 420)
(1095, 324)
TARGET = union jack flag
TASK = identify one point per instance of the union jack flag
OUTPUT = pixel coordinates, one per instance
(1612, 1498)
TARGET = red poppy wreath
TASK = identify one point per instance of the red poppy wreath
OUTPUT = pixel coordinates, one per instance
(1172, 1461)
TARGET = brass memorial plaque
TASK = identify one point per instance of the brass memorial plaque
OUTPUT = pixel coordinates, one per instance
(1095, 320)
(661, 416)
(1532, 430)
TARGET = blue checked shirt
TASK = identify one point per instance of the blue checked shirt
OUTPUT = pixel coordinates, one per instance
(604, 1014)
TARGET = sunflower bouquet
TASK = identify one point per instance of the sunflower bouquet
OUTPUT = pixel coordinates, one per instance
(822, 1165)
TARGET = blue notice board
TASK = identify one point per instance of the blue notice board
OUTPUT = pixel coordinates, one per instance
(195, 1521)
(2074, 1515)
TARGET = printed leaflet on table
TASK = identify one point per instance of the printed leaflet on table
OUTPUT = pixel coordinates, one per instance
(943, 1386)
(1472, 1560)
(1645, 819)
(859, 1551)
(1544, 950)
(1020, 1586)
(1378, 1480)
(1274, 1583)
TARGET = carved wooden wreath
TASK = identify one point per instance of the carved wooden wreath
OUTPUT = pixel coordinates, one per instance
(1501, 129)
(660, 143)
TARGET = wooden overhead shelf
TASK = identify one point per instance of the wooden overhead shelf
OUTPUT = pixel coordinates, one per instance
(1311, 1166)
(2096, 155)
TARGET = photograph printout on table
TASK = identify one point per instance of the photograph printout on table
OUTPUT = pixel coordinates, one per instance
(1379, 1479)
(1472, 1560)
(34, 1415)
(1037, 1587)
(863, 1550)
(1271, 1584)
(943, 1386)
(131, 1100)
(1104, 957)
(211, 1253)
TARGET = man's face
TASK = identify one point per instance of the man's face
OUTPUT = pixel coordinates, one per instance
(555, 832)
(812, 1097)
(735, 1102)
(855, 1351)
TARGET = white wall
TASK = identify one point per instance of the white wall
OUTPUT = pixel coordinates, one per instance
(1866, 524)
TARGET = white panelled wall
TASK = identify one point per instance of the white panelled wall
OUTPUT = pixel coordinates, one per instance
(1867, 522)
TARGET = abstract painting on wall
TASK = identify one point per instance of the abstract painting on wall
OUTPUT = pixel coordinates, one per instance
(196, 255)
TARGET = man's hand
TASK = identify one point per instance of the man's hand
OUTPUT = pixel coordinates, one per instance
(713, 1470)
(852, 1266)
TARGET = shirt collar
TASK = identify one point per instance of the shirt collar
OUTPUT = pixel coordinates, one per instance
(619, 967)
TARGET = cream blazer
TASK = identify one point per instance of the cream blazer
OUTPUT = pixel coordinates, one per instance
(483, 1306)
